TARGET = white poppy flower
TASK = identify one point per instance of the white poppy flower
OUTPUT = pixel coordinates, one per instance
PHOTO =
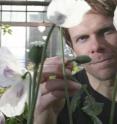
(67, 13)
(12, 102)
(9, 68)
(115, 18)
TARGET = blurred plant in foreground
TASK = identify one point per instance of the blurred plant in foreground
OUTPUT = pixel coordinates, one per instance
(6, 29)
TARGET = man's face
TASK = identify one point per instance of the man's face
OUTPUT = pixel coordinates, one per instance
(96, 37)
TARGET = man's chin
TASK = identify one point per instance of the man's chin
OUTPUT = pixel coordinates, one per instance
(101, 75)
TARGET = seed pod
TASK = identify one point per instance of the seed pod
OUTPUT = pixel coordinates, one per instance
(81, 59)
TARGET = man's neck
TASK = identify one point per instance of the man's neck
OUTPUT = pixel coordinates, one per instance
(102, 87)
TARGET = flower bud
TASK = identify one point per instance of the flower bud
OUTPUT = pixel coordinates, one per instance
(81, 59)
(35, 53)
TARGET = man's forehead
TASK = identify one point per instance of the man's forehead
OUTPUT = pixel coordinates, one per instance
(91, 18)
(91, 22)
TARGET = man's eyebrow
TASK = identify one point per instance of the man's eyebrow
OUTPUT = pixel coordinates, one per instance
(79, 36)
(100, 30)
(105, 28)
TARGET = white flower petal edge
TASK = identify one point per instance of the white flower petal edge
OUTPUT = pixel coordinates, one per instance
(2, 118)
(38, 43)
(67, 13)
(6, 57)
(115, 18)
(10, 71)
(12, 102)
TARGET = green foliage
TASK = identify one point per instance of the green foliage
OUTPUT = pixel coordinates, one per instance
(22, 119)
(6, 29)
(95, 120)
(2, 90)
(90, 106)
(93, 109)
(75, 102)
(76, 68)
(77, 61)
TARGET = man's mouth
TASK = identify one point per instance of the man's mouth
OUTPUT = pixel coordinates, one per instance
(101, 61)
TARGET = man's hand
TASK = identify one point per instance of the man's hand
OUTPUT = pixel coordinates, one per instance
(52, 90)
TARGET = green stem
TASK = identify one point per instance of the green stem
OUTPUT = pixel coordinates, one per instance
(30, 83)
(31, 112)
(66, 82)
(113, 102)
(42, 61)
(32, 90)
(34, 81)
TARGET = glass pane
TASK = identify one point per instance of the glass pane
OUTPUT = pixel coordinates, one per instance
(34, 17)
(33, 34)
(36, 8)
(17, 8)
(15, 44)
(6, 7)
(54, 44)
(13, 16)
(6, 16)
(45, 17)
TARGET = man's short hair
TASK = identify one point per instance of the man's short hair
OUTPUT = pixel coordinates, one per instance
(104, 7)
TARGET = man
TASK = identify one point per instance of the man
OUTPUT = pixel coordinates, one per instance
(96, 37)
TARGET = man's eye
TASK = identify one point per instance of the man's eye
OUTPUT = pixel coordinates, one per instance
(109, 31)
(82, 39)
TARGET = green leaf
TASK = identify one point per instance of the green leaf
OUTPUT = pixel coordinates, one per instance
(96, 120)
(91, 107)
(75, 102)
(6, 29)
(2, 90)
(11, 121)
(10, 31)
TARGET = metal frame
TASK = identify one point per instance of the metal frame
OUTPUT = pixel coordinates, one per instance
(25, 24)
(33, 3)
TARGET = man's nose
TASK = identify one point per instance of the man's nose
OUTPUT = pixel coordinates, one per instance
(97, 44)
